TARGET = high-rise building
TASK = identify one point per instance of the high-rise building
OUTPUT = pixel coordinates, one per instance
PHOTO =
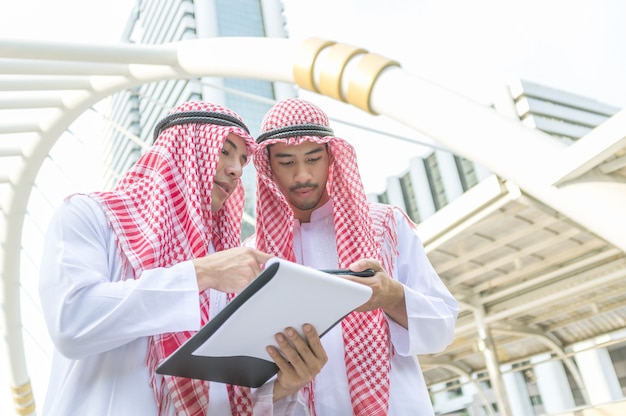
(135, 112)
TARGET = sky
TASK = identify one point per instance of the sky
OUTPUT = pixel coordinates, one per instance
(469, 46)
(472, 47)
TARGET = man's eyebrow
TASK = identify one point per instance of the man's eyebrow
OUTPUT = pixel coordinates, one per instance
(309, 153)
(231, 143)
(228, 141)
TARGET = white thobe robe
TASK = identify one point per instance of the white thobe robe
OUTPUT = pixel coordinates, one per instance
(100, 323)
(431, 311)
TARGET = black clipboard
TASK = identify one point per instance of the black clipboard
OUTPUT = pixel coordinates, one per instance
(230, 348)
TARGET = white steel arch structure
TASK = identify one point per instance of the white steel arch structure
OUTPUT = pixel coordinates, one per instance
(583, 183)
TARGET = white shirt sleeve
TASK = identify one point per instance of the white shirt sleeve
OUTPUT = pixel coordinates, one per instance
(88, 307)
(430, 307)
(264, 405)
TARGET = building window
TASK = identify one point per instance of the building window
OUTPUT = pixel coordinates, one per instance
(484, 381)
(467, 173)
(454, 389)
(408, 194)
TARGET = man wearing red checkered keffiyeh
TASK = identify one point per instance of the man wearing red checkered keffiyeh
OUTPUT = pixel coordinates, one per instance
(127, 276)
(311, 208)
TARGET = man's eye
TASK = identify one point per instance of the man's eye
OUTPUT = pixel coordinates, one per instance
(225, 152)
(313, 160)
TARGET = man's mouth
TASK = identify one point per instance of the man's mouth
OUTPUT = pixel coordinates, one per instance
(303, 192)
(303, 188)
(226, 187)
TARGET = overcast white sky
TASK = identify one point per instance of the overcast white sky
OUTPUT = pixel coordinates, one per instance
(472, 47)
(576, 45)
(469, 46)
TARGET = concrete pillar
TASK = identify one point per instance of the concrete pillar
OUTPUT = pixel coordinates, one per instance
(421, 188)
(556, 393)
(394, 192)
(488, 348)
(517, 392)
(449, 175)
(481, 172)
(599, 375)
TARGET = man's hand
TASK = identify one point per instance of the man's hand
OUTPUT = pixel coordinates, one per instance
(301, 360)
(229, 270)
(387, 293)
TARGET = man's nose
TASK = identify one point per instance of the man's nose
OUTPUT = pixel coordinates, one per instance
(302, 174)
(235, 169)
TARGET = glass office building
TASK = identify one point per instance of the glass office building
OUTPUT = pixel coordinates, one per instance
(133, 113)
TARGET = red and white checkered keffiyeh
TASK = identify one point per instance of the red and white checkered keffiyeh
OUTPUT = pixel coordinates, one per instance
(363, 230)
(160, 212)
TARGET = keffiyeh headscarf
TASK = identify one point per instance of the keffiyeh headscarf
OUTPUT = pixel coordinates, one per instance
(160, 212)
(361, 231)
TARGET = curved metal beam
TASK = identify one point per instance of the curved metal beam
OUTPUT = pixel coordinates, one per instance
(553, 344)
(462, 372)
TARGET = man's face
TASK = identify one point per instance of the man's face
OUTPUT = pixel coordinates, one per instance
(301, 172)
(233, 157)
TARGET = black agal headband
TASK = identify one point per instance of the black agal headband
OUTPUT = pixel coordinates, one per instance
(296, 131)
(192, 117)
